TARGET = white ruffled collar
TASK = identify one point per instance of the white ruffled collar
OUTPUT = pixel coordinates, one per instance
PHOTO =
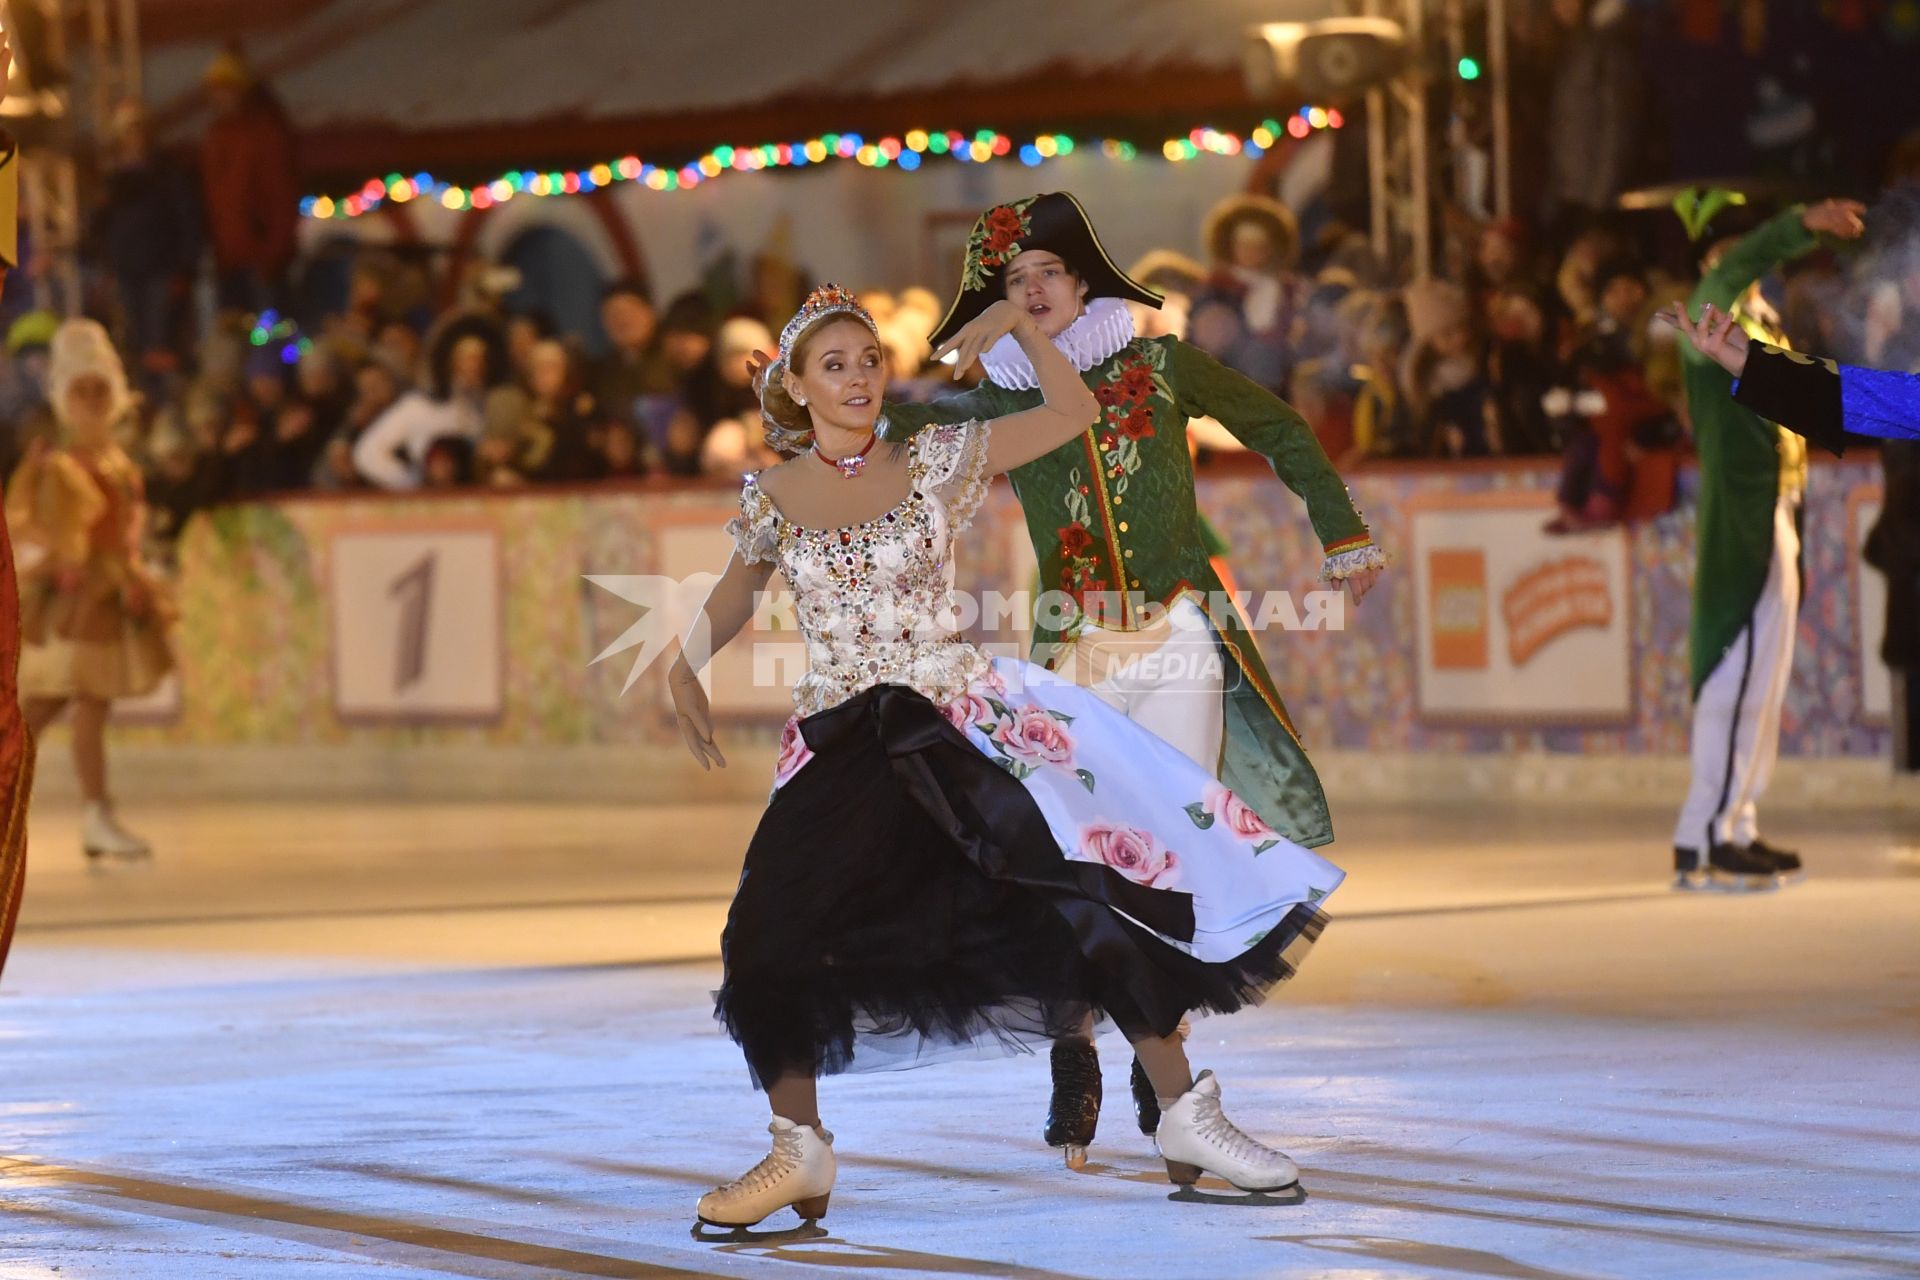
(1105, 327)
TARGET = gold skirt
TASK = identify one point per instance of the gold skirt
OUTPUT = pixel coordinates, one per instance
(87, 643)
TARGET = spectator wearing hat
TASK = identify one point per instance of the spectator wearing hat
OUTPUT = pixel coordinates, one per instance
(249, 184)
(1254, 242)
(1443, 379)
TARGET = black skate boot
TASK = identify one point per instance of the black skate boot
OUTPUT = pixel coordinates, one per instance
(1146, 1107)
(1728, 869)
(1074, 1113)
(1786, 863)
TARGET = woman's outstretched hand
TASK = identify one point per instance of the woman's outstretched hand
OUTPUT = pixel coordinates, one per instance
(693, 715)
(985, 329)
(1717, 336)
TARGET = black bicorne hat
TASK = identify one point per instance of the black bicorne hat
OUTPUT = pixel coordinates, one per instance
(1054, 222)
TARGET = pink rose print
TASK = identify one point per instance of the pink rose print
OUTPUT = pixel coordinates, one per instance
(1231, 810)
(1138, 855)
(968, 710)
(1032, 736)
(794, 753)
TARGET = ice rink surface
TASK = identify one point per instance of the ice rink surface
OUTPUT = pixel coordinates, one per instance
(471, 1040)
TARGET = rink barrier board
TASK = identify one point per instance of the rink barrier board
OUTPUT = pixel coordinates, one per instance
(259, 660)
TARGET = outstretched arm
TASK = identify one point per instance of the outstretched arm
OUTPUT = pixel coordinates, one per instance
(1270, 426)
(1825, 402)
(1781, 239)
(1067, 405)
(727, 609)
(1817, 398)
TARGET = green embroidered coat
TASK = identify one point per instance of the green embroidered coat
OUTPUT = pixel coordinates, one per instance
(1113, 513)
(1742, 456)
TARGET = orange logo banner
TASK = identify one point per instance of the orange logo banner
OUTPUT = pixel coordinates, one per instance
(1552, 599)
(1458, 578)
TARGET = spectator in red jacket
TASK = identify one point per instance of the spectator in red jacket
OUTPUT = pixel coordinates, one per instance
(249, 184)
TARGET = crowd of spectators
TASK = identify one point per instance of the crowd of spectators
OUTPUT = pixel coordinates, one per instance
(1532, 337)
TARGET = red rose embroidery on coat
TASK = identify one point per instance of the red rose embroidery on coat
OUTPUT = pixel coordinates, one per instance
(1136, 383)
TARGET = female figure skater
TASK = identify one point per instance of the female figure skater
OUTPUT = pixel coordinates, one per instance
(93, 621)
(961, 851)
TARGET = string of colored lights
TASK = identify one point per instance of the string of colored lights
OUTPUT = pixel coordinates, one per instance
(908, 151)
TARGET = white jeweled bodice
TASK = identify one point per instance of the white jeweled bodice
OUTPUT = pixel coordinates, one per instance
(872, 599)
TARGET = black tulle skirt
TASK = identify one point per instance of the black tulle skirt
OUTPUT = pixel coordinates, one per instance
(903, 901)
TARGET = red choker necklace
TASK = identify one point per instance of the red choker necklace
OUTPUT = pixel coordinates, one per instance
(850, 465)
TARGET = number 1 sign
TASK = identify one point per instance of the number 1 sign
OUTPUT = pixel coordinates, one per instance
(416, 625)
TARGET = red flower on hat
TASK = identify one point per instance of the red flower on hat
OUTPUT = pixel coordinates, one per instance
(1004, 226)
(995, 239)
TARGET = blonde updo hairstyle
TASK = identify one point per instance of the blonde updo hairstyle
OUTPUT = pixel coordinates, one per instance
(788, 422)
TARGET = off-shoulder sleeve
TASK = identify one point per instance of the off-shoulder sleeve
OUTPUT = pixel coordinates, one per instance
(950, 463)
(754, 531)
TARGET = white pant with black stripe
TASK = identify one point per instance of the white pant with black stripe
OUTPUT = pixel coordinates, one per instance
(1169, 679)
(1736, 718)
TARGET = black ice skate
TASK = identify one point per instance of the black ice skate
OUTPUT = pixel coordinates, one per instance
(1074, 1113)
(1786, 863)
(1146, 1106)
(1728, 869)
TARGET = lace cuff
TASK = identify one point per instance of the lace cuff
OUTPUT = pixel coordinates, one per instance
(1350, 556)
(953, 468)
(753, 531)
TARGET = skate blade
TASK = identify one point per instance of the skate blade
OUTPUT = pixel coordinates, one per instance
(723, 1233)
(1285, 1197)
(1075, 1156)
(1717, 881)
(107, 863)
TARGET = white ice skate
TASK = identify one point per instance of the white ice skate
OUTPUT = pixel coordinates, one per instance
(103, 837)
(797, 1172)
(1196, 1137)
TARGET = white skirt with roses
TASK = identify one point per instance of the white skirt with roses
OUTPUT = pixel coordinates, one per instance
(984, 873)
(1115, 794)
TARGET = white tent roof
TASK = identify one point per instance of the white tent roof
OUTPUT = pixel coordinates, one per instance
(437, 64)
